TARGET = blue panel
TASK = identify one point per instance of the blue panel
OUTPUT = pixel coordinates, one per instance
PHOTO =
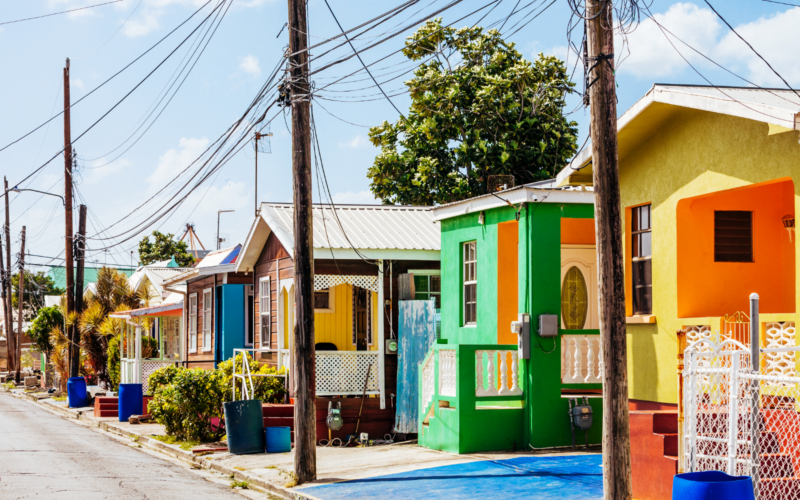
(417, 331)
(575, 477)
(230, 320)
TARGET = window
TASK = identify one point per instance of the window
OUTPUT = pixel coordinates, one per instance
(265, 311)
(324, 300)
(733, 236)
(470, 283)
(428, 287)
(207, 304)
(193, 322)
(641, 246)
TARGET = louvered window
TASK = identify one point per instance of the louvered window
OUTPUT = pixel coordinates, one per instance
(265, 311)
(207, 304)
(733, 236)
(193, 322)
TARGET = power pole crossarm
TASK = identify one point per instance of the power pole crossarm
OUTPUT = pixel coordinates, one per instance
(608, 220)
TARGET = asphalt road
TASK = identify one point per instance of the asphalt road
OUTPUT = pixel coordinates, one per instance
(44, 456)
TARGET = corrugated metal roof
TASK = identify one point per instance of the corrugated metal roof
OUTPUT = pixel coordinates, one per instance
(365, 227)
(220, 257)
(164, 273)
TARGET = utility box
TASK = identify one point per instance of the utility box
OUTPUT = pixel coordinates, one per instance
(582, 417)
(548, 325)
(391, 346)
(522, 327)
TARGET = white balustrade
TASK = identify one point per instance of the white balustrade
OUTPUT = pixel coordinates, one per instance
(581, 359)
(496, 363)
(447, 372)
(427, 383)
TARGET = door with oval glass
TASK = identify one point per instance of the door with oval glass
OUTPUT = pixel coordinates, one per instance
(579, 287)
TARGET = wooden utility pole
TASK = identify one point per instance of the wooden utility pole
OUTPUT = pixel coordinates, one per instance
(305, 456)
(8, 309)
(74, 353)
(20, 303)
(3, 296)
(80, 254)
(608, 221)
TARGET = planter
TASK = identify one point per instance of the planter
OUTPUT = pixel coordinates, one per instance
(244, 426)
(130, 401)
(76, 392)
(711, 485)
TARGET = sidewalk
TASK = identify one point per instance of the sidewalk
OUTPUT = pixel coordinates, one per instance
(401, 470)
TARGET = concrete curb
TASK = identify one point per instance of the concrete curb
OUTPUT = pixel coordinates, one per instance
(169, 450)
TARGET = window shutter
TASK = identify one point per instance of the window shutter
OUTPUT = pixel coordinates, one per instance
(265, 310)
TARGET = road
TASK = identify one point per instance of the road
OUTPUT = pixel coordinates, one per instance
(44, 456)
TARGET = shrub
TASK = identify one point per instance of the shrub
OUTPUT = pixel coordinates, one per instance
(187, 404)
(162, 377)
(114, 362)
(267, 389)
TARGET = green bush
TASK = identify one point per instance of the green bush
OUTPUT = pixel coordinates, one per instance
(162, 377)
(186, 405)
(114, 362)
(267, 389)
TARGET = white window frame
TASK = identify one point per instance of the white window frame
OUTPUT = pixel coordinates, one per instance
(331, 301)
(265, 313)
(466, 282)
(193, 323)
(207, 315)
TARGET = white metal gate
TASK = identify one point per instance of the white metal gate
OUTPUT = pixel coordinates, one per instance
(743, 419)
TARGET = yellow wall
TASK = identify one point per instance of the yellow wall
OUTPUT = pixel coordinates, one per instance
(693, 153)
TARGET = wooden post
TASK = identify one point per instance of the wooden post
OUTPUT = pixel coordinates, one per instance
(7, 307)
(305, 457)
(608, 220)
(74, 353)
(19, 304)
(681, 350)
(80, 254)
(381, 333)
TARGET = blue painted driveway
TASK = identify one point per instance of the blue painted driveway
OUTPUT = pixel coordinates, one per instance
(577, 477)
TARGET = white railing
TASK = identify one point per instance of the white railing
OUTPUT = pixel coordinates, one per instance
(343, 373)
(497, 364)
(127, 371)
(447, 372)
(581, 359)
(428, 376)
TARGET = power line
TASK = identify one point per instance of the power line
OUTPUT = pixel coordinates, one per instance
(57, 13)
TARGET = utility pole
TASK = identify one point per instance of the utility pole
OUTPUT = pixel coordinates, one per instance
(8, 309)
(19, 305)
(80, 254)
(74, 353)
(258, 136)
(608, 220)
(219, 241)
(3, 296)
(305, 457)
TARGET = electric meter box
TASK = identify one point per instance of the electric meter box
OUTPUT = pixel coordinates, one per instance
(582, 417)
(548, 325)
(522, 327)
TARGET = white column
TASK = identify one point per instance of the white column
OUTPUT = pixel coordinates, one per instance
(281, 319)
(381, 342)
(137, 363)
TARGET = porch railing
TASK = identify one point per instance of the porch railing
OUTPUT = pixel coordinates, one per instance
(131, 373)
(581, 359)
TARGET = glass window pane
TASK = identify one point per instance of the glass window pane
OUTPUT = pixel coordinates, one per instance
(421, 296)
(644, 221)
(635, 245)
(438, 299)
(421, 283)
(635, 219)
(436, 284)
(646, 249)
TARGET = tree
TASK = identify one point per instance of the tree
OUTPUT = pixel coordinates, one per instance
(45, 321)
(478, 108)
(37, 285)
(164, 248)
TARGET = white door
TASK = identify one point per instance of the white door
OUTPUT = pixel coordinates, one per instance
(583, 258)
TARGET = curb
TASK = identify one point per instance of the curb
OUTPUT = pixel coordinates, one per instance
(156, 445)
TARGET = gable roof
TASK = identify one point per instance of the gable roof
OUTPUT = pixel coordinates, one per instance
(218, 261)
(780, 108)
(376, 231)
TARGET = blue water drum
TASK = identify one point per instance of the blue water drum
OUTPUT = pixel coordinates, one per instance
(712, 485)
(244, 425)
(130, 401)
(76, 392)
(279, 439)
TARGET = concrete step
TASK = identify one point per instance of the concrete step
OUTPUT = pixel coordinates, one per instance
(670, 444)
(106, 413)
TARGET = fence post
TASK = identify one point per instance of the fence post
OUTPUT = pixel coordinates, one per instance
(690, 407)
(681, 438)
(755, 411)
(733, 413)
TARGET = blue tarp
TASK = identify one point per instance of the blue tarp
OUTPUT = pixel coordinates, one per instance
(417, 331)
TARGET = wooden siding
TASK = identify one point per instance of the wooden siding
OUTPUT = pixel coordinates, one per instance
(275, 263)
(198, 286)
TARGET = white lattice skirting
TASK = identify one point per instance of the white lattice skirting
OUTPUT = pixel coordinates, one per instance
(148, 367)
(343, 373)
(323, 281)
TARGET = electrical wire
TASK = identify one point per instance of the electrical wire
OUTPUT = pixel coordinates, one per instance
(62, 12)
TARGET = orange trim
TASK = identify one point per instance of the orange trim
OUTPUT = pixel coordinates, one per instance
(507, 276)
(626, 244)
(577, 232)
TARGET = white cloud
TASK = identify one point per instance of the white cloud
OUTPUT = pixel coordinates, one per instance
(142, 25)
(355, 198)
(249, 64)
(357, 142)
(101, 169)
(175, 160)
(76, 82)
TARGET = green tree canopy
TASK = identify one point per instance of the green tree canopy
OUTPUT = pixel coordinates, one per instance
(41, 326)
(478, 108)
(164, 247)
(37, 285)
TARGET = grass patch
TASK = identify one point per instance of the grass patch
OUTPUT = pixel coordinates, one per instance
(185, 445)
(60, 398)
(240, 468)
(245, 485)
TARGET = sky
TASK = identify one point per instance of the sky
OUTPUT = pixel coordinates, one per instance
(138, 146)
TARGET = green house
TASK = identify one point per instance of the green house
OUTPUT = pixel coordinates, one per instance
(529, 249)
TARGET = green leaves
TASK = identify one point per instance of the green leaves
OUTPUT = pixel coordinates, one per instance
(164, 248)
(477, 108)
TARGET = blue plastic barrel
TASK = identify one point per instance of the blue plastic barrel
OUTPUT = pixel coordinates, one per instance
(130, 401)
(279, 439)
(76, 392)
(712, 485)
(244, 425)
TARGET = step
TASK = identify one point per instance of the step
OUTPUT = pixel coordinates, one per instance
(767, 444)
(670, 444)
(279, 422)
(106, 400)
(106, 413)
(277, 410)
(665, 422)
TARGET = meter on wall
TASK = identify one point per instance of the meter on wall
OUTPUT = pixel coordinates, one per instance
(522, 327)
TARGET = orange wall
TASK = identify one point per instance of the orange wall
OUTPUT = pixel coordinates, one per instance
(507, 275)
(708, 288)
(577, 232)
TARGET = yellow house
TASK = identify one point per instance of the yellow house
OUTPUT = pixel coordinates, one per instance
(710, 183)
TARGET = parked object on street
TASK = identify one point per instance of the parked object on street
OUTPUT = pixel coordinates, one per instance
(130, 401)
(279, 439)
(76, 392)
(244, 425)
(712, 485)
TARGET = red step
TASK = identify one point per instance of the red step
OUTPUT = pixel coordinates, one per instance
(106, 407)
(654, 450)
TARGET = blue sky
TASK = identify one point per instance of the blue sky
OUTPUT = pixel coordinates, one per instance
(243, 51)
